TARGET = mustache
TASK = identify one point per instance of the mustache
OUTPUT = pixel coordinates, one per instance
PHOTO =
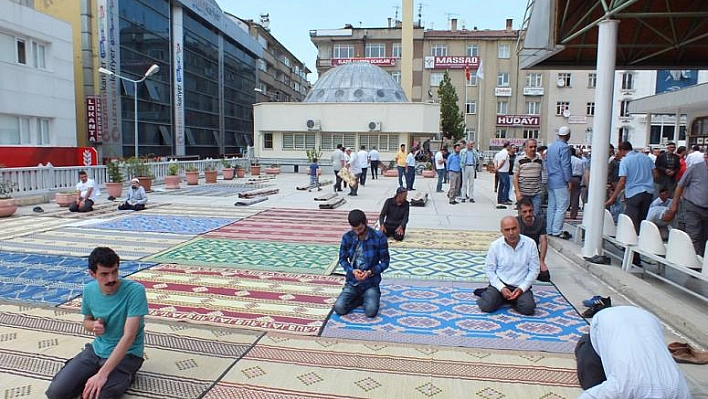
(112, 283)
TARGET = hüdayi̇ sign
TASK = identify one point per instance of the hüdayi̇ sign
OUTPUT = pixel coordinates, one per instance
(518, 120)
(451, 62)
(383, 61)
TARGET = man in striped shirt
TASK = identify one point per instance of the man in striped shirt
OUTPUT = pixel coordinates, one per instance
(527, 175)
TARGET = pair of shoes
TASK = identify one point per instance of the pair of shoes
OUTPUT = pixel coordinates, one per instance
(685, 353)
(508, 203)
(602, 303)
(319, 189)
(411, 189)
(501, 207)
(453, 202)
(37, 209)
(479, 291)
(565, 235)
(463, 200)
(597, 299)
(439, 191)
(472, 200)
(352, 194)
(544, 275)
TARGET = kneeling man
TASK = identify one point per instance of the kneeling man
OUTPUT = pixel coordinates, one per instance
(363, 254)
(512, 266)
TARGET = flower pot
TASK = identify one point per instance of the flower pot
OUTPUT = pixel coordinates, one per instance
(64, 199)
(7, 207)
(146, 182)
(228, 173)
(114, 190)
(172, 181)
(210, 176)
(192, 178)
(429, 173)
(255, 170)
(272, 171)
(240, 173)
(391, 173)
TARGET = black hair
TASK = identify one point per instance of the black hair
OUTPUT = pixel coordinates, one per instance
(542, 148)
(625, 146)
(82, 172)
(363, 147)
(314, 160)
(525, 201)
(103, 256)
(356, 217)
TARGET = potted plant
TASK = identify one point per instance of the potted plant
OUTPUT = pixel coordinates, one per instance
(428, 171)
(273, 169)
(255, 167)
(210, 173)
(114, 188)
(172, 179)
(192, 174)
(240, 172)
(7, 205)
(392, 170)
(227, 170)
(138, 168)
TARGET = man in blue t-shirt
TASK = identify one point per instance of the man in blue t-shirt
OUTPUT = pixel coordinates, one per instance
(113, 310)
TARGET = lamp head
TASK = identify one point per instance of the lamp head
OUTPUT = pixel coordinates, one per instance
(105, 71)
(153, 70)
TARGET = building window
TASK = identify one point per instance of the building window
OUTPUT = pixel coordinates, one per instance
(396, 75)
(504, 50)
(624, 109)
(533, 107)
(471, 107)
(473, 81)
(531, 133)
(375, 50)
(24, 130)
(590, 109)
(592, 80)
(472, 50)
(534, 80)
(502, 107)
(627, 81)
(330, 141)
(268, 141)
(438, 50)
(343, 51)
(565, 78)
(500, 134)
(561, 107)
(21, 52)
(298, 141)
(396, 50)
(436, 78)
(39, 55)
(43, 131)
(503, 79)
(624, 134)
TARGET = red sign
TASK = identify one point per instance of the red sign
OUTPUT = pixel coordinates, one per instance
(518, 120)
(94, 119)
(451, 62)
(21, 156)
(374, 61)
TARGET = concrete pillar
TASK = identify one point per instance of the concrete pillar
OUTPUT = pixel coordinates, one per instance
(407, 49)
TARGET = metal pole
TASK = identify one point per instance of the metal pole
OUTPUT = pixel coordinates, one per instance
(606, 55)
(135, 115)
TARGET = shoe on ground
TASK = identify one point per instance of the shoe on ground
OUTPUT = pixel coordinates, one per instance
(500, 206)
(453, 202)
(565, 235)
(590, 312)
(545, 276)
(472, 200)
(439, 191)
(479, 291)
(508, 203)
(597, 300)
(687, 354)
(463, 200)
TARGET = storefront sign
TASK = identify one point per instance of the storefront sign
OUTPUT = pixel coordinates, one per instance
(383, 61)
(502, 91)
(451, 62)
(500, 142)
(94, 119)
(577, 119)
(533, 91)
(518, 120)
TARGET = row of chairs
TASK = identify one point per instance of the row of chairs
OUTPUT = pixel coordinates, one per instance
(678, 254)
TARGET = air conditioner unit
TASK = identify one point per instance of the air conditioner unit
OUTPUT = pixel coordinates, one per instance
(375, 126)
(313, 124)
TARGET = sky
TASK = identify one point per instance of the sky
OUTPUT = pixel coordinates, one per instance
(292, 20)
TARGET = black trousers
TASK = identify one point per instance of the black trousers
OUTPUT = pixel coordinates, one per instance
(637, 208)
(590, 371)
(374, 169)
(391, 232)
(337, 182)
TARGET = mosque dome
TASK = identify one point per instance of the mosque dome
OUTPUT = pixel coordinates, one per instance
(356, 82)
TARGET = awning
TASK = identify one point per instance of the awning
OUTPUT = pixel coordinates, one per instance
(693, 99)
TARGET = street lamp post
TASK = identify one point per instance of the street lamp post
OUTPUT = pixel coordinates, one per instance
(151, 71)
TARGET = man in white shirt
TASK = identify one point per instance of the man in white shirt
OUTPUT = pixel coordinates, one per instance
(440, 167)
(625, 356)
(355, 168)
(86, 194)
(374, 157)
(512, 266)
(363, 161)
(410, 170)
(337, 164)
(501, 162)
(696, 156)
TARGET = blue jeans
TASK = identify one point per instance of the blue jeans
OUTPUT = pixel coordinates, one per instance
(401, 173)
(441, 177)
(504, 183)
(558, 201)
(410, 177)
(536, 201)
(353, 296)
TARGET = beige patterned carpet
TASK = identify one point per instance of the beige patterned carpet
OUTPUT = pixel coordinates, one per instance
(446, 239)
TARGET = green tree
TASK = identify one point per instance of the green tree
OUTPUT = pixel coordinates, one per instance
(452, 121)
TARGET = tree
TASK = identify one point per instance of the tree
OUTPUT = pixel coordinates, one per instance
(452, 120)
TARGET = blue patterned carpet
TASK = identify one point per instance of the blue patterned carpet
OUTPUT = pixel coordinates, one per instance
(165, 224)
(446, 313)
(49, 279)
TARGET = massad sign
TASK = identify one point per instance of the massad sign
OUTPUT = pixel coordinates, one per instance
(518, 120)
(385, 61)
(451, 62)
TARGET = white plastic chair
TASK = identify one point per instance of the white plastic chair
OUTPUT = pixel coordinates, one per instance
(680, 250)
(608, 226)
(650, 239)
(626, 235)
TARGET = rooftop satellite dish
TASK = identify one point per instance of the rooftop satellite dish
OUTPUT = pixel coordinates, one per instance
(566, 113)
(560, 82)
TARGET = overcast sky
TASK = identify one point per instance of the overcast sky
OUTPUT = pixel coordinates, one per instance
(292, 20)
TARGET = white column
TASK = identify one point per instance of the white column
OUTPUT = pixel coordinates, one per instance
(407, 49)
(677, 126)
(606, 54)
(178, 79)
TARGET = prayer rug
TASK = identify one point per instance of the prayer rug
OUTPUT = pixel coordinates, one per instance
(164, 224)
(469, 240)
(100, 210)
(80, 241)
(270, 301)
(23, 225)
(249, 201)
(285, 257)
(49, 279)
(282, 367)
(196, 211)
(447, 314)
(181, 361)
(436, 265)
(212, 190)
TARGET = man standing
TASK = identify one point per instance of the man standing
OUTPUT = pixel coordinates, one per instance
(636, 173)
(394, 215)
(559, 174)
(527, 176)
(512, 266)
(400, 160)
(363, 254)
(338, 162)
(469, 158)
(136, 197)
(363, 161)
(668, 165)
(625, 356)
(577, 166)
(454, 171)
(410, 170)
(534, 227)
(113, 310)
(86, 194)
(355, 169)
(694, 157)
(501, 163)
(374, 157)
(440, 168)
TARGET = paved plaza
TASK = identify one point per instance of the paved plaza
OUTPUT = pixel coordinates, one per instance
(240, 299)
